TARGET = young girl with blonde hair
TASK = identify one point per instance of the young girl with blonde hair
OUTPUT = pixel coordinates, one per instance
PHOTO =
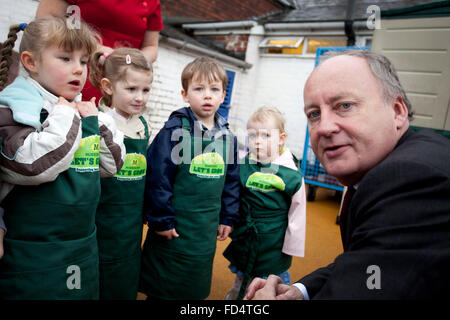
(54, 148)
(124, 77)
(273, 206)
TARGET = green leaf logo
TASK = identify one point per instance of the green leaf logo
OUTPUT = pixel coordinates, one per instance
(265, 182)
(87, 156)
(134, 167)
(208, 165)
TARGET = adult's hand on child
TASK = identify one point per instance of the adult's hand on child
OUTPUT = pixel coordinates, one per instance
(169, 234)
(87, 108)
(223, 232)
(63, 101)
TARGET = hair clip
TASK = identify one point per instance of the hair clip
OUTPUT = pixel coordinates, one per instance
(128, 59)
(105, 54)
(22, 26)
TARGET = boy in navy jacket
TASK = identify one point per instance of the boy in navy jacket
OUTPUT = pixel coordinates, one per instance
(192, 191)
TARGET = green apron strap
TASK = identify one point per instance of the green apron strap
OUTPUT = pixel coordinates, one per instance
(186, 124)
(147, 135)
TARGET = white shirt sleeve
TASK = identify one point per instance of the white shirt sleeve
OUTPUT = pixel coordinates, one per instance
(302, 288)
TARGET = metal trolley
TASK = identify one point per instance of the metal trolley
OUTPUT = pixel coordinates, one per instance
(313, 172)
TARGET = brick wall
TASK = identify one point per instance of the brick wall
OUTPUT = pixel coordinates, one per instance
(234, 43)
(218, 10)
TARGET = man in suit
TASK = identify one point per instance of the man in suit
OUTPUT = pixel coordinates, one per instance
(396, 229)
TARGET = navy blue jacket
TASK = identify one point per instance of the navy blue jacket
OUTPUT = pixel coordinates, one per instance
(161, 171)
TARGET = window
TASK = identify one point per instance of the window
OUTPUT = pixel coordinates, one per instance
(282, 46)
(313, 44)
(299, 45)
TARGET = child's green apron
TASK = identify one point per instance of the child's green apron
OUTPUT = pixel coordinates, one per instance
(119, 223)
(50, 247)
(256, 243)
(181, 268)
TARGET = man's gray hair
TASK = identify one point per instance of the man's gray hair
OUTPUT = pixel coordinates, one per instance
(383, 70)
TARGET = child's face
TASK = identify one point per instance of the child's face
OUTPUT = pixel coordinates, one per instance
(60, 72)
(130, 95)
(265, 140)
(204, 97)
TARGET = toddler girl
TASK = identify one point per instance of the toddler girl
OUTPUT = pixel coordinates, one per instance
(272, 228)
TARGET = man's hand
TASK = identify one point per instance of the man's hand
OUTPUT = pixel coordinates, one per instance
(169, 234)
(272, 289)
(223, 232)
(87, 108)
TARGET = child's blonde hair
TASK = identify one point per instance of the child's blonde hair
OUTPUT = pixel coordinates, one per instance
(43, 33)
(269, 113)
(115, 65)
(204, 68)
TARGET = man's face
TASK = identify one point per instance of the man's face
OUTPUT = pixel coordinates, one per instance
(351, 126)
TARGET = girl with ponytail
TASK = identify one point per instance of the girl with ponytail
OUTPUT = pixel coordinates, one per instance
(124, 78)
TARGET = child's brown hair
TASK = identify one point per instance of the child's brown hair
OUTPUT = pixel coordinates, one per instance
(202, 68)
(43, 33)
(114, 67)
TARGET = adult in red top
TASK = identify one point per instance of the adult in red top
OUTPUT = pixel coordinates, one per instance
(126, 23)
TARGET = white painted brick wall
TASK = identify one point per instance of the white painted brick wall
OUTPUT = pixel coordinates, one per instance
(14, 12)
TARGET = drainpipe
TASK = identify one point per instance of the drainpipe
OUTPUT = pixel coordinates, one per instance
(349, 32)
(221, 25)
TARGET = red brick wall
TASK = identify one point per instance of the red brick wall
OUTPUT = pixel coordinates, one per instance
(233, 42)
(218, 10)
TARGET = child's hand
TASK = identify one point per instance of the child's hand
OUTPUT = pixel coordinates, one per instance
(223, 232)
(2, 233)
(63, 101)
(169, 234)
(87, 108)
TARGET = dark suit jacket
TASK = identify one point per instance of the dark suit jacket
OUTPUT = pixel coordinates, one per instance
(399, 221)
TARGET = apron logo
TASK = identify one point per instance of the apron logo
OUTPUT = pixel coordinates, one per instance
(265, 182)
(133, 168)
(87, 156)
(208, 165)
(74, 280)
